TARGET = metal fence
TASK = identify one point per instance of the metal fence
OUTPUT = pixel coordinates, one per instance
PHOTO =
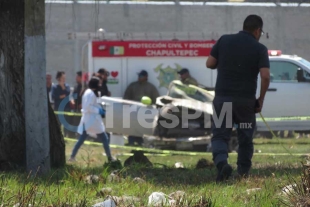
(227, 2)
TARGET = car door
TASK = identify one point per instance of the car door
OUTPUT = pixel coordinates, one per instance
(287, 99)
(128, 117)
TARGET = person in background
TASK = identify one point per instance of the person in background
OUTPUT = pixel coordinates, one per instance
(104, 90)
(60, 92)
(49, 85)
(85, 81)
(77, 98)
(91, 121)
(186, 78)
(135, 91)
(104, 79)
(77, 92)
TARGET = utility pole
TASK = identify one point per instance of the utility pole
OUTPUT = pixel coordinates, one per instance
(36, 104)
(76, 13)
(30, 136)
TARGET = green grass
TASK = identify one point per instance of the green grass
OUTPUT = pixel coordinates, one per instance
(67, 186)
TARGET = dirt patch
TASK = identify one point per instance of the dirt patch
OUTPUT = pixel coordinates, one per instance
(204, 164)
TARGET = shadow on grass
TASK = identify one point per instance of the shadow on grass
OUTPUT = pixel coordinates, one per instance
(159, 174)
(197, 177)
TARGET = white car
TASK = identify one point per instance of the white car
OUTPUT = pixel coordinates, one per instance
(128, 117)
(180, 120)
(190, 114)
(286, 104)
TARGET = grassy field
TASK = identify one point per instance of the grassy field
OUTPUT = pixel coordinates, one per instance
(273, 169)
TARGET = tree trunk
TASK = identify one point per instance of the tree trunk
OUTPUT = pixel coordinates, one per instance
(57, 142)
(19, 74)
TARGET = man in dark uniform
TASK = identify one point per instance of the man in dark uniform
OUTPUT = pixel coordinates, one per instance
(77, 96)
(135, 91)
(186, 78)
(104, 74)
(77, 93)
(239, 58)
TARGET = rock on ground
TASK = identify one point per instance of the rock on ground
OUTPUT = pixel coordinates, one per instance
(179, 165)
(158, 199)
(138, 158)
(249, 191)
(288, 189)
(177, 196)
(107, 203)
(138, 180)
(90, 179)
(113, 178)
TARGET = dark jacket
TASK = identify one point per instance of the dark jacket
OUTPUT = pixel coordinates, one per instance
(136, 90)
(104, 89)
(57, 91)
(77, 96)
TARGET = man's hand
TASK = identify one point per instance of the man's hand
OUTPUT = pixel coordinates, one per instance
(72, 104)
(265, 80)
(260, 103)
(62, 96)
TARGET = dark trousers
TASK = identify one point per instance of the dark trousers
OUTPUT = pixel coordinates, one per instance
(103, 137)
(239, 111)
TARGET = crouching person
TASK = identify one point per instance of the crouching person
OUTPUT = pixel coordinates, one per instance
(91, 121)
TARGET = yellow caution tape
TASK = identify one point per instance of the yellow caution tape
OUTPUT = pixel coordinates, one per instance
(292, 118)
(157, 152)
(68, 113)
(170, 152)
(146, 154)
(274, 136)
(189, 153)
(266, 124)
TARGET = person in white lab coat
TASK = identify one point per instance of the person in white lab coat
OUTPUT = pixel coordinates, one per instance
(91, 121)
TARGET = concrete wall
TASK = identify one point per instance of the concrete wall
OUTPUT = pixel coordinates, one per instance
(288, 28)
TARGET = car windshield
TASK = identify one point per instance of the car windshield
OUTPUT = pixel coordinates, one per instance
(305, 62)
(182, 91)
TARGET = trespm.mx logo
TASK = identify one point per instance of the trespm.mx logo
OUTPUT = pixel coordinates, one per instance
(244, 126)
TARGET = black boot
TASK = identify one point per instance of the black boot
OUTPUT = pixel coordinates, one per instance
(224, 171)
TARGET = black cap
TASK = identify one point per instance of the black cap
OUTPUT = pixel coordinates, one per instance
(143, 73)
(183, 71)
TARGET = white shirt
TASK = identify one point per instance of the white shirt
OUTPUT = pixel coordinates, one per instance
(91, 119)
